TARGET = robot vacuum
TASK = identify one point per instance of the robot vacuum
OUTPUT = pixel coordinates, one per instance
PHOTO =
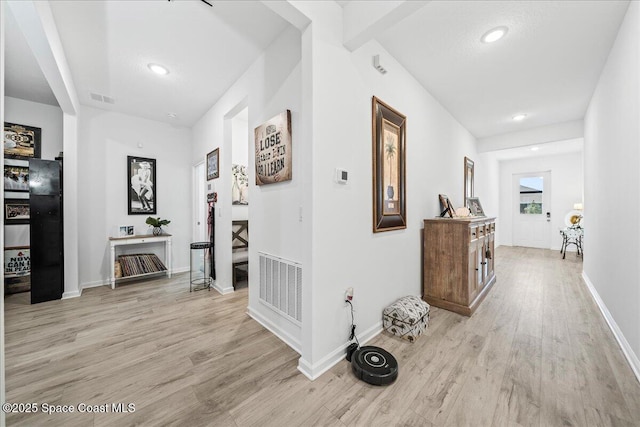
(374, 365)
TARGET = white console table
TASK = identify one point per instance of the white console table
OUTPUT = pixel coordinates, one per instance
(139, 240)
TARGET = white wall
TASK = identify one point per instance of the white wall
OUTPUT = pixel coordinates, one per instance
(106, 139)
(612, 187)
(49, 119)
(270, 86)
(566, 189)
(381, 267)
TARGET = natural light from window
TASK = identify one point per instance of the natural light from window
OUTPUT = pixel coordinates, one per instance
(531, 195)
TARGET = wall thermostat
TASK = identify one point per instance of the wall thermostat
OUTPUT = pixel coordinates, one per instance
(341, 176)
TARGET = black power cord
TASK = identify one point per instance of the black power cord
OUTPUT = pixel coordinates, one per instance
(352, 333)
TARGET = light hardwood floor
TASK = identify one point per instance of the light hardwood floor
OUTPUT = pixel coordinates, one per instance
(537, 352)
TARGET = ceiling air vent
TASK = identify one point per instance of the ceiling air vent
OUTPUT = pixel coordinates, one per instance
(102, 98)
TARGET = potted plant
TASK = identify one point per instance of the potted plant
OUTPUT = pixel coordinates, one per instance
(390, 150)
(157, 224)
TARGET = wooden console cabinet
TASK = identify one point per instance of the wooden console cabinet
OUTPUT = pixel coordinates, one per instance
(458, 262)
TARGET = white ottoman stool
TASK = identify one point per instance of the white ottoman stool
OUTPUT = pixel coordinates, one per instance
(407, 318)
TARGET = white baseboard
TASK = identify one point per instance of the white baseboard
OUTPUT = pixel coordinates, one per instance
(221, 290)
(628, 352)
(72, 294)
(313, 371)
(107, 282)
(287, 338)
(95, 284)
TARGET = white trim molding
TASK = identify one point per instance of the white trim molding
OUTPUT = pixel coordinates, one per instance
(288, 339)
(224, 291)
(313, 371)
(631, 357)
(72, 294)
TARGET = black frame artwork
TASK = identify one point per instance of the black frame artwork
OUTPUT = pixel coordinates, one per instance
(142, 190)
(213, 164)
(16, 176)
(15, 208)
(21, 141)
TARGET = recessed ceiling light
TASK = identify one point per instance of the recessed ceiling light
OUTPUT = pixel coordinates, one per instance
(172, 115)
(494, 34)
(535, 148)
(158, 69)
(519, 117)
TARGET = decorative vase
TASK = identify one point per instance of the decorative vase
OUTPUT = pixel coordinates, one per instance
(390, 192)
(157, 231)
(235, 191)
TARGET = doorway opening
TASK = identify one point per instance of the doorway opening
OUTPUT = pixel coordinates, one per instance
(240, 199)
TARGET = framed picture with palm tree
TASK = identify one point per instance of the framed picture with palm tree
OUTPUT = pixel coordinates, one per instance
(389, 202)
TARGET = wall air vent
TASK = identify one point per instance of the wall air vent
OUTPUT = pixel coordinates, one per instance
(281, 286)
(102, 98)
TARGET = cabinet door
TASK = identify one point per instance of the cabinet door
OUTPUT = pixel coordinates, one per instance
(490, 257)
(474, 271)
(46, 231)
(482, 263)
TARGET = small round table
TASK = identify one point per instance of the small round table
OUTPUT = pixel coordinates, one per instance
(201, 279)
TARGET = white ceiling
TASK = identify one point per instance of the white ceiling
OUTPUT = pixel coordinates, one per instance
(540, 150)
(22, 75)
(547, 65)
(108, 45)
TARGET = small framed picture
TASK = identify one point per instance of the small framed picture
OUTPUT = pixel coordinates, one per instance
(16, 211)
(447, 206)
(213, 164)
(473, 203)
(125, 231)
(16, 175)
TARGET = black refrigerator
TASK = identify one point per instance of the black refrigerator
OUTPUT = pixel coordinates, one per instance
(46, 230)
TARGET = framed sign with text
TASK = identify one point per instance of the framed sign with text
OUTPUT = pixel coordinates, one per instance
(273, 150)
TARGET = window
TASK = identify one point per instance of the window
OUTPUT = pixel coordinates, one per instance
(531, 195)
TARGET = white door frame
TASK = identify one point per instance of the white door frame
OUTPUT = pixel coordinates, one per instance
(199, 197)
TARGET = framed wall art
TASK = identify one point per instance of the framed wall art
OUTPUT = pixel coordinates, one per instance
(468, 178)
(473, 203)
(16, 211)
(446, 206)
(17, 269)
(21, 142)
(273, 150)
(17, 261)
(141, 185)
(16, 175)
(213, 164)
(389, 170)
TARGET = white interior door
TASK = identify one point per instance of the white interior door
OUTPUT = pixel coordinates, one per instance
(199, 204)
(532, 210)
